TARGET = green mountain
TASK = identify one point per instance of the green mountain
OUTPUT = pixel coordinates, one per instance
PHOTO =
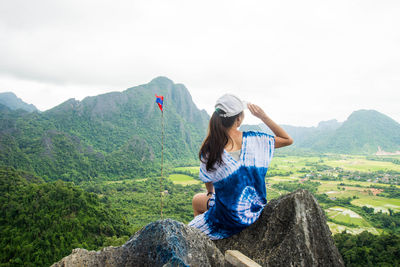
(299, 134)
(109, 136)
(361, 133)
(11, 101)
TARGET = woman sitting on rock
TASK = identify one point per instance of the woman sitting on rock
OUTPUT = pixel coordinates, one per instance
(233, 167)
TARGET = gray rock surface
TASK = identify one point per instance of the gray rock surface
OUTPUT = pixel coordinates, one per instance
(291, 231)
(161, 243)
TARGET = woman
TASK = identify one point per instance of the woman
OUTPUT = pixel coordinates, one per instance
(233, 167)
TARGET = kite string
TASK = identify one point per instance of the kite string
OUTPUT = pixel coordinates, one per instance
(162, 161)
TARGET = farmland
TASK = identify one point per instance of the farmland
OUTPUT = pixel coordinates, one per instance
(182, 179)
(360, 180)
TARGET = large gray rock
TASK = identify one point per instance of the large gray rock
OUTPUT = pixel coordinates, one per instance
(291, 231)
(161, 243)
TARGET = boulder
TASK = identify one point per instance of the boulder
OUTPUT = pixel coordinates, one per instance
(161, 243)
(291, 231)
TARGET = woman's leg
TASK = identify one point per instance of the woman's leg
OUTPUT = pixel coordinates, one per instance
(199, 203)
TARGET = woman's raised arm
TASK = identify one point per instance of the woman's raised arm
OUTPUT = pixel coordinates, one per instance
(281, 137)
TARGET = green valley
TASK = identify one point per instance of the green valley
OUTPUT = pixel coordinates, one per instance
(360, 184)
(87, 173)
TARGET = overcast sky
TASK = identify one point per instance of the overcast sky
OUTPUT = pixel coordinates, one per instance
(302, 61)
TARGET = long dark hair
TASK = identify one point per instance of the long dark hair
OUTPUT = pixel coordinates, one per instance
(213, 146)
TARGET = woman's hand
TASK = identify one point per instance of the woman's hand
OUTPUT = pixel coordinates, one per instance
(281, 137)
(256, 111)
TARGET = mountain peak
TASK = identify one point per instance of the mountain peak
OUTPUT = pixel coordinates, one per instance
(363, 131)
(10, 100)
(369, 115)
(364, 112)
(162, 80)
(8, 94)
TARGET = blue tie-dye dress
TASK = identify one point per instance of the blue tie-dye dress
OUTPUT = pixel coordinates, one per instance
(240, 193)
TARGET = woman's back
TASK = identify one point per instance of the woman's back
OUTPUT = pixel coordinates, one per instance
(236, 185)
(240, 192)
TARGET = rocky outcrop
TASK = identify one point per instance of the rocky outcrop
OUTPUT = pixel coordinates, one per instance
(161, 243)
(291, 231)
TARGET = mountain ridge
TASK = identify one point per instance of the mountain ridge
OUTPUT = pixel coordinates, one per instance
(117, 134)
(10, 100)
(361, 133)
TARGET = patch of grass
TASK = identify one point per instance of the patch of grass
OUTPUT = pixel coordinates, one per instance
(328, 186)
(192, 169)
(183, 179)
(378, 203)
(347, 216)
(355, 163)
(365, 184)
(277, 179)
(336, 228)
(292, 163)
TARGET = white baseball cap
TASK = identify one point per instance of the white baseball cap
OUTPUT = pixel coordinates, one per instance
(230, 104)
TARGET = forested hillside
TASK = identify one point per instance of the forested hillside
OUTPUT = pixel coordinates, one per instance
(362, 133)
(42, 222)
(106, 136)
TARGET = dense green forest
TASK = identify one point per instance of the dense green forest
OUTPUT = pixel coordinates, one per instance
(42, 222)
(139, 200)
(366, 249)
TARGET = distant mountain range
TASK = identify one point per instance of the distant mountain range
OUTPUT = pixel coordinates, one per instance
(11, 101)
(362, 133)
(118, 134)
(111, 135)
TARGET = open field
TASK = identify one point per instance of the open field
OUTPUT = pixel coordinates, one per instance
(337, 228)
(333, 188)
(277, 179)
(366, 184)
(183, 179)
(355, 163)
(346, 162)
(296, 169)
(378, 203)
(346, 216)
(192, 170)
(292, 163)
